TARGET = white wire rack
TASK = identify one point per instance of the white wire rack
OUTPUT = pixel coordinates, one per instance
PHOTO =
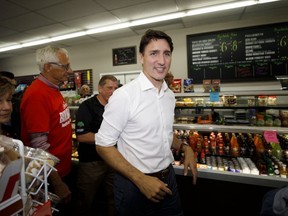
(22, 195)
(33, 186)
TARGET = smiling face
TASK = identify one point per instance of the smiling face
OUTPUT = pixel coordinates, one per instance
(156, 61)
(6, 91)
(5, 108)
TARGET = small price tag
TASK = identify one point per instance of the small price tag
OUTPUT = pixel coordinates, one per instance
(214, 96)
(271, 136)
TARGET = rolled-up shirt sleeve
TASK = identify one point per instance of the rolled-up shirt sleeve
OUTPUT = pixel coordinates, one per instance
(114, 119)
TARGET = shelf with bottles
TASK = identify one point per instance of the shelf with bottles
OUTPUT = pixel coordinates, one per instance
(229, 128)
(243, 157)
(265, 181)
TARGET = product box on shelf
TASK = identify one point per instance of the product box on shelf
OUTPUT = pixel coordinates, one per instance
(188, 85)
(206, 85)
(177, 86)
(10, 177)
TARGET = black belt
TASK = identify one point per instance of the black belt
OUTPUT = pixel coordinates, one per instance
(160, 174)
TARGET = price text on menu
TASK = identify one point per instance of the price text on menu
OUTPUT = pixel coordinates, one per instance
(246, 54)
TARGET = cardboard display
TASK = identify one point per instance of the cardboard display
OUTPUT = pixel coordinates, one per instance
(10, 177)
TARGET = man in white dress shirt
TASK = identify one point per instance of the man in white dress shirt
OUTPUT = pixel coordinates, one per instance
(139, 118)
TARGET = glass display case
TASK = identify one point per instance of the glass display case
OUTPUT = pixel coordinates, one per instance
(241, 113)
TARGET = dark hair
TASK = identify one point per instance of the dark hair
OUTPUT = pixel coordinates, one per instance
(154, 35)
(6, 86)
(7, 74)
(103, 79)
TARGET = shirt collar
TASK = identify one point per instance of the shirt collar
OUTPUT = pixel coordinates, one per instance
(47, 82)
(145, 83)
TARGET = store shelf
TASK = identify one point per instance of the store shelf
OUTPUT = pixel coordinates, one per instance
(229, 128)
(278, 106)
(236, 93)
(267, 181)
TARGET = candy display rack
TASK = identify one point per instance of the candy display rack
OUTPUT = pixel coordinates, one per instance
(37, 184)
(15, 204)
(31, 194)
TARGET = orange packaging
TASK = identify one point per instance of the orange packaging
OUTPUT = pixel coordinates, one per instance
(177, 86)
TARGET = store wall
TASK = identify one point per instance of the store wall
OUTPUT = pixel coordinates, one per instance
(98, 56)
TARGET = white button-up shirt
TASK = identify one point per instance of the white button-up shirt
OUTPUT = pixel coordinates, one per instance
(140, 119)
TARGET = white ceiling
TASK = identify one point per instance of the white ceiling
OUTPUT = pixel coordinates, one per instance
(27, 20)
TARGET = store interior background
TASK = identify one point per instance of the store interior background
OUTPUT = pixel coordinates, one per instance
(96, 54)
(209, 196)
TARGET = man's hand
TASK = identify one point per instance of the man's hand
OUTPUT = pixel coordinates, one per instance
(190, 162)
(153, 188)
(59, 187)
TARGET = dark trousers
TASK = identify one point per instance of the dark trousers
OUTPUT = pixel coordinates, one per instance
(129, 200)
(92, 177)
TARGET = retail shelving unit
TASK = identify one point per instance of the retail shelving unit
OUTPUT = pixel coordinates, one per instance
(269, 181)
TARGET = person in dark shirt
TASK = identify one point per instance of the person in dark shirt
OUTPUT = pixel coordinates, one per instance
(93, 173)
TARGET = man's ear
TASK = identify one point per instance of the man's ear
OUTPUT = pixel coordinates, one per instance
(47, 67)
(140, 57)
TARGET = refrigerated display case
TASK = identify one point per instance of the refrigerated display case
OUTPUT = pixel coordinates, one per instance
(195, 112)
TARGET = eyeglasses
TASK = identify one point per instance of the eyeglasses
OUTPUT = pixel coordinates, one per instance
(66, 67)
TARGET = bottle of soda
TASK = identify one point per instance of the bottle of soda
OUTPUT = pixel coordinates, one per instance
(234, 145)
(227, 145)
(283, 170)
(213, 144)
(206, 145)
(251, 146)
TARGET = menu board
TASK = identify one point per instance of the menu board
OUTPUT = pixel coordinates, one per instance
(246, 54)
(124, 56)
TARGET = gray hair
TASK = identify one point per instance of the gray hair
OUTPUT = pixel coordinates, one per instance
(48, 54)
